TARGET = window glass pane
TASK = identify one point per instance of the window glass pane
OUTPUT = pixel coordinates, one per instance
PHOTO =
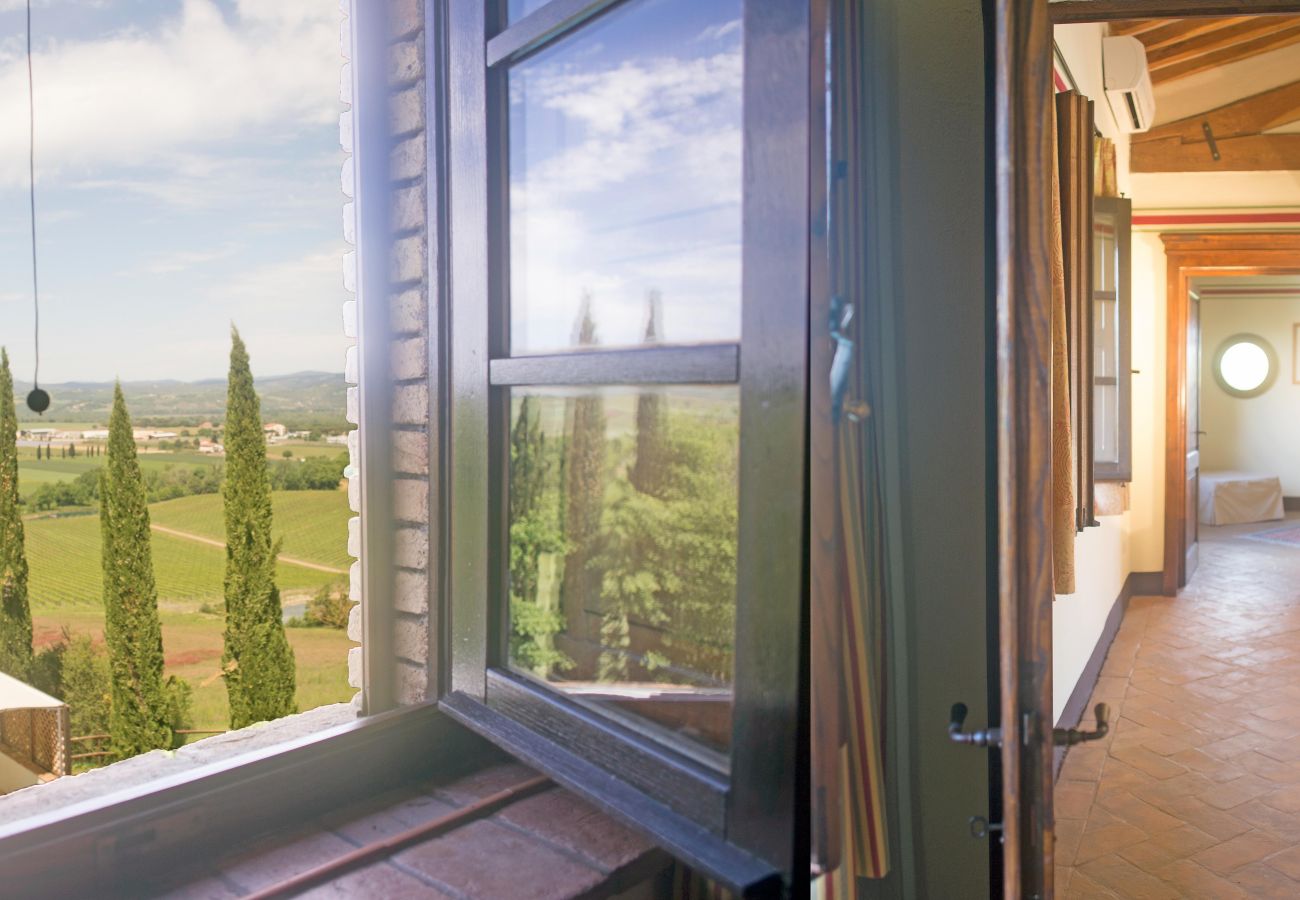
(625, 180)
(517, 9)
(623, 550)
(1106, 430)
(1244, 366)
(1105, 359)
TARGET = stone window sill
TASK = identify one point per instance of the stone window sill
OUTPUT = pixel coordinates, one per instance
(140, 770)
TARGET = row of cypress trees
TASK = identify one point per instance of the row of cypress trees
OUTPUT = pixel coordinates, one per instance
(257, 662)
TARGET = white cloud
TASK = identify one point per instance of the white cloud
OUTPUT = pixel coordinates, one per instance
(633, 184)
(136, 98)
(184, 260)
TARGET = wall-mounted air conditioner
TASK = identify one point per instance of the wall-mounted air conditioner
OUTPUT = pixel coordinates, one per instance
(1128, 83)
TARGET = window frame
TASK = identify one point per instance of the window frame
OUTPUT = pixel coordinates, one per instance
(142, 828)
(1120, 211)
(741, 829)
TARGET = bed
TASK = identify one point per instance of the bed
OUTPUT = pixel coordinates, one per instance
(1231, 498)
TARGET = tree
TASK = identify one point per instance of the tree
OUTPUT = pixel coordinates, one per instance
(138, 720)
(584, 489)
(534, 530)
(15, 613)
(648, 472)
(258, 662)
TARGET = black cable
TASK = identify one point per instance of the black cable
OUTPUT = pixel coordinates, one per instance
(38, 400)
(31, 182)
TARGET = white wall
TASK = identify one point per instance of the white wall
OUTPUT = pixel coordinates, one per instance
(1251, 434)
(1101, 554)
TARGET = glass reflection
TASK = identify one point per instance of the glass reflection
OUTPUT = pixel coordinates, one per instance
(623, 526)
(625, 177)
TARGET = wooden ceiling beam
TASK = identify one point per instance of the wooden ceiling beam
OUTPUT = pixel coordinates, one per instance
(1249, 115)
(1138, 26)
(1182, 29)
(1283, 37)
(1067, 12)
(1239, 33)
(1251, 153)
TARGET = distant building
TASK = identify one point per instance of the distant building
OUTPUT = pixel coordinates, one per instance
(100, 434)
(206, 446)
(34, 736)
(336, 439)
(274, 429)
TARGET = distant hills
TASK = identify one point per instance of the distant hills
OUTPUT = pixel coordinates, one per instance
(299, 400)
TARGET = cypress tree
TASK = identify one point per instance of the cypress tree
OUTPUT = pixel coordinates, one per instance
(15, 614)
(138, 720)
(258, 662)
(650, 469)
(584, 491)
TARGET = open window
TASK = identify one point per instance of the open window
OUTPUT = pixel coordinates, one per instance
(1112, 345)
(628, 227)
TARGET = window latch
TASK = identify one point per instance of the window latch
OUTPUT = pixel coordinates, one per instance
(987, 737)
(840, 316)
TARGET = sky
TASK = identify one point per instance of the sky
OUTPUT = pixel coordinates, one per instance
(625, 178)
(187, 168)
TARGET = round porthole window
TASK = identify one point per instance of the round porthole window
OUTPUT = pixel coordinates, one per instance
(1245, 365)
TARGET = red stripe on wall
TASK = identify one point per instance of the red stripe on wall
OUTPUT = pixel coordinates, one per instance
(1219, 219)
(1060, 82)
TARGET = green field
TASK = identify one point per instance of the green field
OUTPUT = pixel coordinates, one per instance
(313, 524)
(63, 555)
(192, 649)
(32, 474)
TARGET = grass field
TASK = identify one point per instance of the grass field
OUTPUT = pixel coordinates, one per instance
(32, 474)
(192, 649)
(313, 524)
(63, 556)
(64, 559)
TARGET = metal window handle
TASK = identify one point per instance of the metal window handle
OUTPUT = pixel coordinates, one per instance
(1066, 737)
(988, 737)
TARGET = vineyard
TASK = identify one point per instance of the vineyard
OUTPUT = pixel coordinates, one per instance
(313, 524)
(64, 557)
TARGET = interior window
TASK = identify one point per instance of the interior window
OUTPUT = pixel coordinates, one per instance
(1245, 365)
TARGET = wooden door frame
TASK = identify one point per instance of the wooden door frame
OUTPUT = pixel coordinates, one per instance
(1196, 255)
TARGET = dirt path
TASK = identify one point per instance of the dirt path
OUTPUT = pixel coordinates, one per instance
(291, 560)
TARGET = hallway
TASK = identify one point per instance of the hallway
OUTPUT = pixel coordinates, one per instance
(1196, 791)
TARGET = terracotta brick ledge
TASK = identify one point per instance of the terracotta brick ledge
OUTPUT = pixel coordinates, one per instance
(549, 845)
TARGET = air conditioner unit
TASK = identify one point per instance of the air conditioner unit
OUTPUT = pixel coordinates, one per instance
(1128, 83)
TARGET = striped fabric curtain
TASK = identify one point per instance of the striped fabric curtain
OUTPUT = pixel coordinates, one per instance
(861, 806)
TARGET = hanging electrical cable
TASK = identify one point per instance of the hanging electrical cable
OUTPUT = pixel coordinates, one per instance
(38, 401)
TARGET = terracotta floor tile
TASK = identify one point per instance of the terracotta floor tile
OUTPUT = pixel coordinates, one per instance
(1238, 791)
(1193, 881)
(1287, 862)
(1196, 792)
(1068, 834)
(1264, 882)
(1073, 799)
(1237, 852)
(1106, 841)
(1127, 880)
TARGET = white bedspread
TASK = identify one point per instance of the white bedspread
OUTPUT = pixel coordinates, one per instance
(1230, 498)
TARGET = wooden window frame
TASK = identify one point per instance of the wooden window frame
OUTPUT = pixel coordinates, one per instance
(740, 826)
(1121, 211)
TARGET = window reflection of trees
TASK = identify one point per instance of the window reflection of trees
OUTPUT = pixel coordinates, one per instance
(623, 531)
